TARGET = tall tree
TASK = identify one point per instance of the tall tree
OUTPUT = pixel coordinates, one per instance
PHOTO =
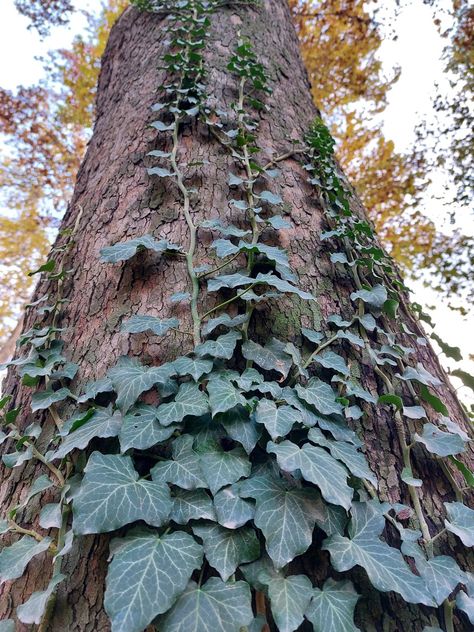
(222, 368)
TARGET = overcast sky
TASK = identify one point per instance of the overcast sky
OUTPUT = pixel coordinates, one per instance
(417, 50)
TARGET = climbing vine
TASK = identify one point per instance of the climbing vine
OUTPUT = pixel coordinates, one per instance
(249, 449)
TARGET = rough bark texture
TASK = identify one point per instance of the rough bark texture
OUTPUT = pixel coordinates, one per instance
(119, 201)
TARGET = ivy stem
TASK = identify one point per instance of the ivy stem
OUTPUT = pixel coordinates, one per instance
(54, 470)
(16, 527)
(448, 607)
(223, 265)
(318, 349)
(230, 300)
(288, 154)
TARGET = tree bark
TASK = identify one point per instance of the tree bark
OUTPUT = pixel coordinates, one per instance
(116, 200)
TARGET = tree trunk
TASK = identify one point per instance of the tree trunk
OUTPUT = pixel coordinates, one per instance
(115, 200)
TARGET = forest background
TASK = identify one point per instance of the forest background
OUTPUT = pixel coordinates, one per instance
(394, 81)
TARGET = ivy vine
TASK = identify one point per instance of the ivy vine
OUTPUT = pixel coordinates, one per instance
(245, 464)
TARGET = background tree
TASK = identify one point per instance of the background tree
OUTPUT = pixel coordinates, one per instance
(274, 384)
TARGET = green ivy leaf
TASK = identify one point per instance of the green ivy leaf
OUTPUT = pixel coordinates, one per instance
(44, 399)
(277, 222)
(111, 496)
(33, 610)
(433, 401)
(194, 504)
(241, 427)
(389, 398)
(223, 467)
(277, 420)
(317, 466)
(438, 442)
(312, 336)
(223, 395)
(125, 250)
(50, 516)
(332, 607)
(374, 297)
(466, 378)
(141, 429)
(7, 626)
(460, 522)
(352, 338)
(449, 352)
(159, 326)
(103, 423)
(196, 368)
(271, 198)
(465, 603)
(215, 606)
(160, 172)
(223, 347)
(420, 374)
(286, 517)
(289, 598)
(147, 574)
(414, 412)
(320, 395)
(184, 470)
(225, 549)
(92, 389)
(189, 400)
(15, 459)
(408, 478)
(232, 511)
(14, 558)
(383, 564)
(331, 360)
(270, 357)
(225, 320)
(226, 230)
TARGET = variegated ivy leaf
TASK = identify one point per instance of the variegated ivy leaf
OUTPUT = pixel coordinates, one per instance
(347, 453)
(277, 420)
(460, 522)
(286, 517)
(223, 347)
(384, 565)
(224, 320)
(223, 395)
(332, 607)
(14, 558)
(159, 326)
(225, 549)
(194, 504)
(44, 399)
(289, 599)
(127, 249)
(92, 389)
(271, 357)
(103, 423)
(221, 467)
(130, 379)
(375, 297)
(216, 606)
(32, 611)
(196, 368)
(320, 395)
(318, 467)
(184, 470)
(189, 400)
(141, 429)
(112, 495)
(232, 511)
(438, 442)
(331, 360)
(241, 427)
(147, 573)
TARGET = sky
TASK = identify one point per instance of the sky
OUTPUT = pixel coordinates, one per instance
(417, 49)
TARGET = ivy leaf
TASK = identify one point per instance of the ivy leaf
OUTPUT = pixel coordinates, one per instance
(414, 412)
(223, 395)
(278, 421)
(449, 352)
(178, 297)
(433, 400)
(277, 222)
(222, 467)
(225, 320)
(226, 230)
(125, 250)
(189, 400)
(438, 442)
(92, 389)
(111, 496)
(466, 378)
(285, 517)
(312, 336)
(141, 429)
(460, 522)
(332, 607)
(196, 368)
(161, 127)
(234, 180)
(374, 297)
(270, 357)
(225, 549)
(147, 573)
(15, 459)
(223, 347)
(441, 573)
(159, 326)
(241, 427)
(420, 374)
(160, 172)
(32, 610)
(215, 606)
(271, 198)
(44, 399)
(408, 478)
(282, 285)
(383, 564)
(320, 395)
(130, 379)
(390, 398)
(8, 625)
(347, 453)
(352, 338)
(316, 466)
(289, 598)
(194, 504)
(50, 516)
(184, 470)
(232, 511)
(331, 360)
(14, 558)
(465, 603)
(103, 423)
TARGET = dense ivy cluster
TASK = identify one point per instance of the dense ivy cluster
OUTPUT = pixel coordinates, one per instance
(237, 467)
